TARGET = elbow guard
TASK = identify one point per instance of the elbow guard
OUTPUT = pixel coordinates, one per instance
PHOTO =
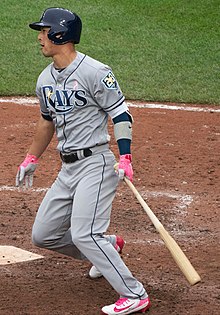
(123, 130)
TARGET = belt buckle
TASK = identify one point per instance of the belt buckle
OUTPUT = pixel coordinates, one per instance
(68, 157)
(72, 157)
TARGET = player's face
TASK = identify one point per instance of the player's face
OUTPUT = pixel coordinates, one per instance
(47, 47)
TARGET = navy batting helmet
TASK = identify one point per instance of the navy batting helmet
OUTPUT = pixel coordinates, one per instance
(65, 26)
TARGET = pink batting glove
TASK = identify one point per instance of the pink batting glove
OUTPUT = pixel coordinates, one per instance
(125, 167)
(25, 172)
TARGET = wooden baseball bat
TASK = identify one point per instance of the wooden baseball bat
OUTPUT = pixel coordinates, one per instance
(180, 258)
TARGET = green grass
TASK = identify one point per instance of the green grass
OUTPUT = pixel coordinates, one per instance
(159, 50)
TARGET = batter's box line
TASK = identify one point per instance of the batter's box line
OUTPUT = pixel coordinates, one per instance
(180, 204)
(183, 201)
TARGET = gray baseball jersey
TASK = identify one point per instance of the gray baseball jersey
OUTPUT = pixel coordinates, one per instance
(79, 100)
(75, 213)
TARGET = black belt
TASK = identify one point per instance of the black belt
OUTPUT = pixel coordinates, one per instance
(72, 157)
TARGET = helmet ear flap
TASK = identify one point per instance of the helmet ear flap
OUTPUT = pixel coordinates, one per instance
(57, 36)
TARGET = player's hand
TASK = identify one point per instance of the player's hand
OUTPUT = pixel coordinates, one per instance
(25, 172)
(125, 167)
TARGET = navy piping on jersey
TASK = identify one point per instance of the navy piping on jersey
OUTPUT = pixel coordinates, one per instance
(91, 233)
(64, 134)
(64, 85)
(52, 74)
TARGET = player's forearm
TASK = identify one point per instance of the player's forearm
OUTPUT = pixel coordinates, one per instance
(42, 138)
(123, 132)
(123, 135)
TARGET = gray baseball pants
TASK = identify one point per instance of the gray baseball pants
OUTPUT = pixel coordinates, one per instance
(75, 214)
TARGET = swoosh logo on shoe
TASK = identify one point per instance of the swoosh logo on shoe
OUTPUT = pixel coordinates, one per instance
(122, 309)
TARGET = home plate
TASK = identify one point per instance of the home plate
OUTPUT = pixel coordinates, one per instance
(12, 255)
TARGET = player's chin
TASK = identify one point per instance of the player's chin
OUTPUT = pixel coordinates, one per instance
(45, 53)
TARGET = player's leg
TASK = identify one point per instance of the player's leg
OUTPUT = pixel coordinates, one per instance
(51, 228)
(90, 220)
(118, 243)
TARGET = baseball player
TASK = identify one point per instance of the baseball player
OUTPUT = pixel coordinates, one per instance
(77, 94)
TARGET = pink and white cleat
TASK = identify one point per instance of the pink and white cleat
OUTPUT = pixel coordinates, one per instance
(127, 306)
(94, 273)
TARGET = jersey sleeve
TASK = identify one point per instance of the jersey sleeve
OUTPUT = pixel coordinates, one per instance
(108, 94)
(43, 108)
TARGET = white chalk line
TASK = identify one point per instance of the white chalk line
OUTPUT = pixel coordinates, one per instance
(175, 107)
(183, 201)
(20, 101)
(32, 101)
(22, 189)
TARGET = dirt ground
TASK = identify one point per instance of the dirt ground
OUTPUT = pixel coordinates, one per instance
(176, 161)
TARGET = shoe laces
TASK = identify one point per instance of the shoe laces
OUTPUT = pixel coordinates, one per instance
(122, 301)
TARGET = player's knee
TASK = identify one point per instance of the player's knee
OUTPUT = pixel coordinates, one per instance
(37, 239)
(40, 238)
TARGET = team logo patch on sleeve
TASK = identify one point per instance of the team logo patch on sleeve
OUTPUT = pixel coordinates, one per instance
(110, 81)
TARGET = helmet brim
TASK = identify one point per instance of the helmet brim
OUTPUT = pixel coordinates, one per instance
(37, 26)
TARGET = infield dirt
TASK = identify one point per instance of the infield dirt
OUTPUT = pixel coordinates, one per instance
(176, 161)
